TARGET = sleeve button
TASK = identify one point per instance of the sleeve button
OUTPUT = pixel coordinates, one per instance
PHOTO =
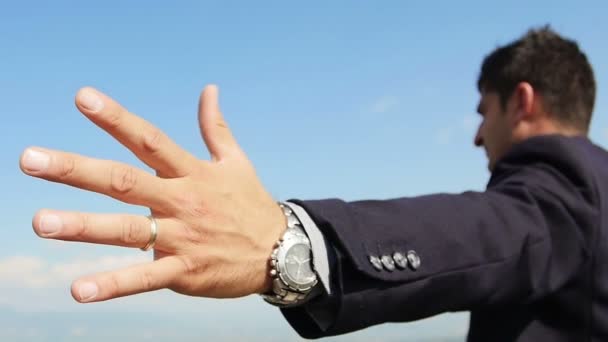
(375, 261)
(388, 262)
(400, 260)
(413, 260)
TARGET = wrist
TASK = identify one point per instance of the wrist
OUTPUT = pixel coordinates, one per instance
(279, 225)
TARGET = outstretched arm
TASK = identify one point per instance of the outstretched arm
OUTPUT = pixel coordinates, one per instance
(526, 237)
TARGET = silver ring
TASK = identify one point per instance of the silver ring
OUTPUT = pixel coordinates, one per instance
(153, 234)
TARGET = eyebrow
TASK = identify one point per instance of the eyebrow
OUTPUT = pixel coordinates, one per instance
(479, 109)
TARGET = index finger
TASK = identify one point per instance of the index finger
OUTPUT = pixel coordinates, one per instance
(147, 142)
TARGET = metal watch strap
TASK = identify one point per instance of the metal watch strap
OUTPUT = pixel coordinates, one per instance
(282, 294)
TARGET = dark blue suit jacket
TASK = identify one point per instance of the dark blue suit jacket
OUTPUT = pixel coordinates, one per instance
(528, 256)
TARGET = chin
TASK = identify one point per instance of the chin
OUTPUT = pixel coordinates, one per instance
(490, 166)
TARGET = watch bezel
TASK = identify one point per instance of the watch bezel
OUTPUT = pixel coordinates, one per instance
(281, 257)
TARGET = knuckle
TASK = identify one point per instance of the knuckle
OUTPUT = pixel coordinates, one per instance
(147, 281)
(221, 122)
(187, 198)
(189, 265)
(152, 140)
(67, 168)
(191, 269)
(192, 205)
(83, 227)
(113, 285)
(182, 200)
(122, 179)
(193, 236)
(113, 119)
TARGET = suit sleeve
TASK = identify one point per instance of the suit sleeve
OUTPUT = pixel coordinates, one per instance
(521, 239)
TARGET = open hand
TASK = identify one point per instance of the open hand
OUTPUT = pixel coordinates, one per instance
(216, 222)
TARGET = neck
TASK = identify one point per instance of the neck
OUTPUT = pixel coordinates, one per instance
(545, 127)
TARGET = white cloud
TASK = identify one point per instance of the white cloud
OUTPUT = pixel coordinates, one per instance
(385, 104)
(22, 271)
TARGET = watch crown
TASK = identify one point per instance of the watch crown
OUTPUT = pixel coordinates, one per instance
(273, 273)
(273, 262)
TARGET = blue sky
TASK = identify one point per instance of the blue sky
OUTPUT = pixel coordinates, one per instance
(349, 99)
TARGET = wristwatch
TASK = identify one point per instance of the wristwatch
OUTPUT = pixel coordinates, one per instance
(291, 268)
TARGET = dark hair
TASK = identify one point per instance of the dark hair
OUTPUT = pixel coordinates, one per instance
(554, 66)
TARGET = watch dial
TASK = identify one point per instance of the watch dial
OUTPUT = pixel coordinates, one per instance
(297, 262)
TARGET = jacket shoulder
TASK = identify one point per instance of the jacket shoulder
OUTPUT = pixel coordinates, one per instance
(567, 159)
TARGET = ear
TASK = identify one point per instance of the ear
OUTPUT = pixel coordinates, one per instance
(524, 97)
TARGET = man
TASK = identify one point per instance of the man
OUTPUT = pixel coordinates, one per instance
(525, 256)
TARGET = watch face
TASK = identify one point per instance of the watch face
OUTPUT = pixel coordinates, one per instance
(297, 264)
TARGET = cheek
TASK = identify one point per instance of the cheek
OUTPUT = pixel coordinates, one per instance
(487, 132)
(492, 137)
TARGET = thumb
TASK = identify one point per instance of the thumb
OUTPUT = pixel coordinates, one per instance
(215, 131)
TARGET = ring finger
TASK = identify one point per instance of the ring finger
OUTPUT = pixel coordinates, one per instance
(110, 229)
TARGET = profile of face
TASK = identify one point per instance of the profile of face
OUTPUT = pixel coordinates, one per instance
(495, 132)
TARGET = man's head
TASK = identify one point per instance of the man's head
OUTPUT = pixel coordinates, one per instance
(539, 84)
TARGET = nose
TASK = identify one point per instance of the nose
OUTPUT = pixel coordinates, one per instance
(478, 141)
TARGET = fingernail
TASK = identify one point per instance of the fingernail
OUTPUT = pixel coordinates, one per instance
(50, 224)
(35, 160)
(87, 291)
(90, 100)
